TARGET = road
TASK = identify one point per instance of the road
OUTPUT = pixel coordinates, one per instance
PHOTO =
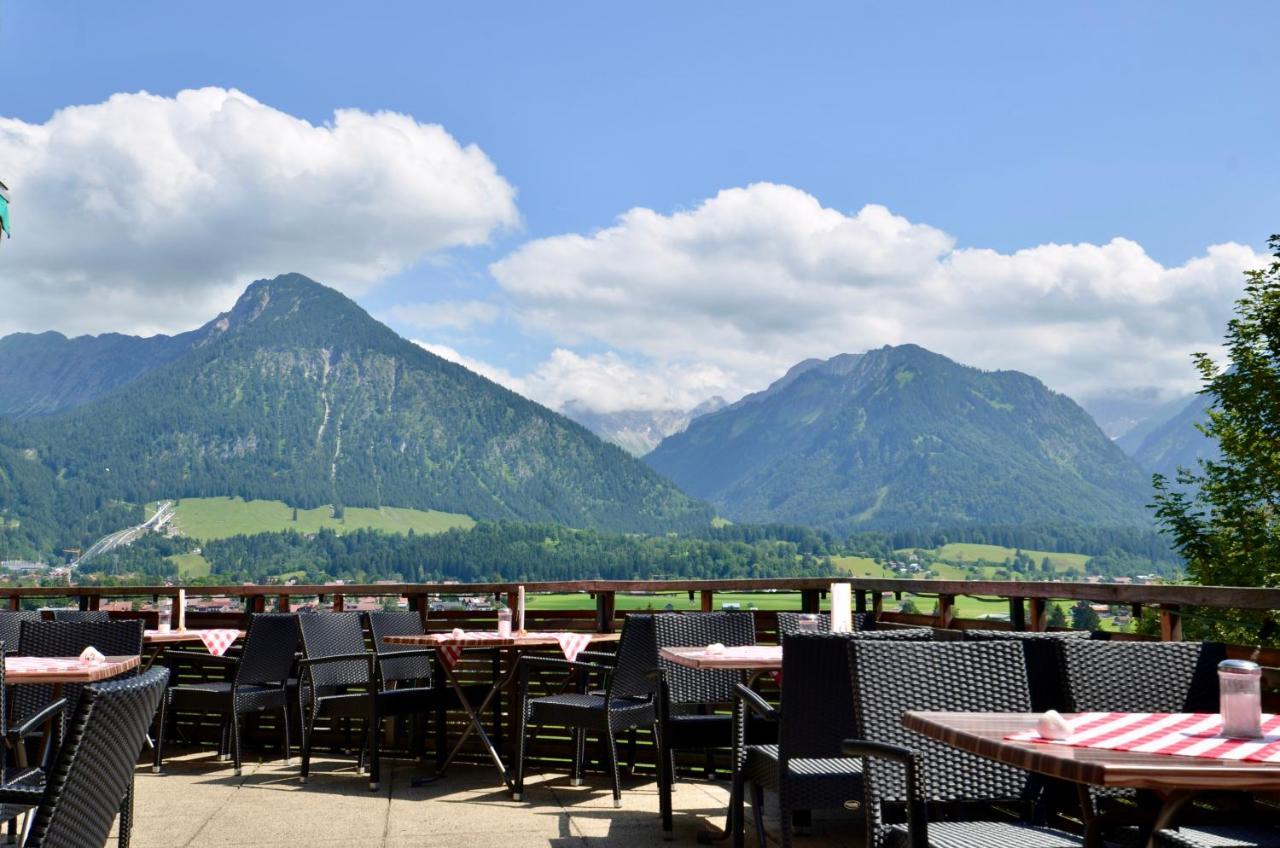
(164, 513)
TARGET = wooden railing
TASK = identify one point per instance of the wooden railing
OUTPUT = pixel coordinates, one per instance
(1028, 601)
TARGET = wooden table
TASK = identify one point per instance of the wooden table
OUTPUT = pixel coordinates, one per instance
(518, 642)
(752, 661)
(1177, 779)
(56, 671)
(156, 641)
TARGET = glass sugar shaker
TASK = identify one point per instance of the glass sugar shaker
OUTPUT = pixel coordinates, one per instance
(504, 623)
(1240, 692)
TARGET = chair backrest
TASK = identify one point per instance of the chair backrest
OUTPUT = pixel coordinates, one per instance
(270, 645)
(332, 634)
(817, 695)
(1159, 677)
(69, 639)
(1043, 659)
(95, 764)
(393, 668)
(789, 622)
(637, 660)
(11, 626)
(890, 678)
(698, 629)
(80, 615)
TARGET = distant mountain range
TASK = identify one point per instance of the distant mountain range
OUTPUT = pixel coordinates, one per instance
(1170, 440)
(901, 437)
(638, 431)
(296, 394)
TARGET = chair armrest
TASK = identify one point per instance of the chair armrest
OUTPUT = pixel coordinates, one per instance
(21, 794)
(603, 657)
(44, 715)
(563, 664)
(756, 704)
(917, 818)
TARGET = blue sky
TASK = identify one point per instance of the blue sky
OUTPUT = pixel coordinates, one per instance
(1005, 126)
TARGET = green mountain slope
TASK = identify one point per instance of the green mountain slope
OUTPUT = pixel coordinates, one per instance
(1176, 443)
(901, 437)
(298, 395)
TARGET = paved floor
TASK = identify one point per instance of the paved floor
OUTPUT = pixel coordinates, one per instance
(198, 803)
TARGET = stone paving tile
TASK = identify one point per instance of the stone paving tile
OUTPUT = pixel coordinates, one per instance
(199, 803)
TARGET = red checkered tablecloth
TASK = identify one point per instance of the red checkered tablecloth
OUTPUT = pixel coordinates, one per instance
(450, 647)
(1175, 734)
(217, 641)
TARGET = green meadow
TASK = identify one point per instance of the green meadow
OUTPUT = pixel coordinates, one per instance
(220, 518)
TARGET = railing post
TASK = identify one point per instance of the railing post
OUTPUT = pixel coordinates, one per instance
(946, 615)
(15, 602)
(255, 603)
(419, 604)
(810, 600)
(282, 603)
(877, 605)
(708, 600)
(1170, 623)
(860, 601)
(605, 607)
(338, 603)
(1017, 615)
(83, 601)
(1039, 616)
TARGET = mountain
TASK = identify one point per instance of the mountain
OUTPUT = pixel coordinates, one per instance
(1120, 413)
(46, 373)
(298, 395)
(1165, 445)
(902, 437)
(638, 431)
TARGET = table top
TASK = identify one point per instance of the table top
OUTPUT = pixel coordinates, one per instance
(493, 640)
(742, 658)
(173, 637)
(19, 670)
(984, 734)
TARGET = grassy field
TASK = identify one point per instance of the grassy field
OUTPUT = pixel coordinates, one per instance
(219, 518)
(965, 552)
(190, 565)
(858, 566)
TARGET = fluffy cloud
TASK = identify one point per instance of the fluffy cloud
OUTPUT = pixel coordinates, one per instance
(757, 278)
(602, 383)
(156, 210)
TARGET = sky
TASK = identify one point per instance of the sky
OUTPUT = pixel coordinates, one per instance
(638, 206)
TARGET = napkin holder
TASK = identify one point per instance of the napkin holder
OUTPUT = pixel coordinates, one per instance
(91, 656)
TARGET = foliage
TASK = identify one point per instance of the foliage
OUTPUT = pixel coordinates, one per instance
(1057, 618)
(1083, 617)
(1223, 516)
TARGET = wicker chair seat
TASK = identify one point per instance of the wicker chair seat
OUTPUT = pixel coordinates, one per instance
(1244, 836)
(588, 710)
(982, 835)
(811, 782)
(210, 695)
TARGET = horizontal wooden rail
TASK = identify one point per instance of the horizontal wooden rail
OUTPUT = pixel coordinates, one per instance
(1158, 595)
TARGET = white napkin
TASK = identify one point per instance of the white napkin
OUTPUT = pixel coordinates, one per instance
(457, 633)
(717, 648)
(1053, 726)
(91, 655)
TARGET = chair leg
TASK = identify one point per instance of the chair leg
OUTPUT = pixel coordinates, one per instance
(155, 765)
(784, 824)
(579, 754)
(802, 821)
(374, 729)
(517, 792)
(284, 726)
(611, 754)
(308, 728)
(235, 740)
(224, 747)
(664, 785)
(442, 735)
(757, 812)
(631, 751)
(737, 813)
(126, 817)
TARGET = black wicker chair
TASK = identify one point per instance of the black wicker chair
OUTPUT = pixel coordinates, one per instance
(903, 771)
(80, 615)
(626, 702)
(1105, 676)
(340, 680)
(1044, 661)
(399, 665)
(806, 767)
(1238, 836)
(94, 768)
(11, 627)
(688, 698)
(259, 682)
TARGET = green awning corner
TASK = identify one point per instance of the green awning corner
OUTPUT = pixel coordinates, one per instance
(4, 210)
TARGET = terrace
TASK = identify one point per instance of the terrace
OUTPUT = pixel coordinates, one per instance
(198, 801)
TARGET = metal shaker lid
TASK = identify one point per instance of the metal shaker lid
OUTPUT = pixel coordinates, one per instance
(1239, 667)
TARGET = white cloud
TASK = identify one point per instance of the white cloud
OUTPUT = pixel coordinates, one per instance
(444, 314)
(156, 211)
(601, 382)
(757, 278)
